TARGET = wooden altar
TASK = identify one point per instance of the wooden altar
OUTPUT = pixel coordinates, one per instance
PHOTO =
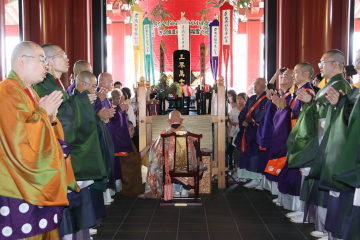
(146, 130)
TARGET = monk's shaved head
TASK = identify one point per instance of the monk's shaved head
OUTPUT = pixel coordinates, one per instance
(21, 49)
(104, 76)
(337, 55)
(86, 81)
(105, 80)
(175, 116)
(259, 86)
(28, 62)
(262, 80)
(80, 66)
(85, 76)
(50, 49)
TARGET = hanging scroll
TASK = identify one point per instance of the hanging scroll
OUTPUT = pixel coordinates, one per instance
(214, 47)
(202, 61)
(183, 27)
(137, 34)
(148, 53)
(162, 59)
(226, 26)
(181, 67)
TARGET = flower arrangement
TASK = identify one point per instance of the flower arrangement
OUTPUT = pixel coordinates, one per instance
(162, 88)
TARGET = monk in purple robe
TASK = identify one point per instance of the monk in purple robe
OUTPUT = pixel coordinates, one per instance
(274, 130)
(252, 162)
(290, 179)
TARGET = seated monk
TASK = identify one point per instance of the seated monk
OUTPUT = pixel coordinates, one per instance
(154, 181)
(131, 169)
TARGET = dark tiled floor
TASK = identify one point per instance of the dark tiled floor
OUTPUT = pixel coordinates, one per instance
(232, 213)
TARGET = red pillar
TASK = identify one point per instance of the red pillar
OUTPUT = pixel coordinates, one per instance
(118, 41)
(307, 29)
(254, 30)
(65, 23)
(2, 41)
(118, 34)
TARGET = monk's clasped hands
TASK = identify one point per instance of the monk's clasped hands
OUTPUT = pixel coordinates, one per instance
(92, 97)
(332, 95)
(51, 102)
(304, 96)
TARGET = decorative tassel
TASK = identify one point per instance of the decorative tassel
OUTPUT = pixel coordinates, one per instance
(57, 79)
(168, 188)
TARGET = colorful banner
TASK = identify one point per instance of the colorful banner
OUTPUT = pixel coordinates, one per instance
(137, 34)
(226, 29)
(202, 61)
(183, 27)
(148, 53)
(214, 47)
(162, 59)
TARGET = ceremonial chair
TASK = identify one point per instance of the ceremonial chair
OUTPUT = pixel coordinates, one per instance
(173, 173)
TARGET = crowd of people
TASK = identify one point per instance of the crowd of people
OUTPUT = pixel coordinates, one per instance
(66, 152)
(300, 143)
(63, 151)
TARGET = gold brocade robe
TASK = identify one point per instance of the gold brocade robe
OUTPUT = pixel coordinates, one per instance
(32, 164)
(155, 168)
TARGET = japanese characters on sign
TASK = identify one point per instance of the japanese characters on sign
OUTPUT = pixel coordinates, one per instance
(181, 67)
(136, 28)
(162, 60)
(198, 29)
(202, 60)
(215, 41)
(225, 21)
(147, 39)
(183, 34)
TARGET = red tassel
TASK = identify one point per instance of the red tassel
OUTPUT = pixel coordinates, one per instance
(168, 188)
(243, 143)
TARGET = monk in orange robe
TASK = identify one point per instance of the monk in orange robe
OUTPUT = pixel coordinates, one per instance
(35, 173)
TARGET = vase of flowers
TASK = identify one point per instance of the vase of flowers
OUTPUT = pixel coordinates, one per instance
(162, 90)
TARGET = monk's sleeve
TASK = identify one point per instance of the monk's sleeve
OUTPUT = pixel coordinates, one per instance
(97, 105)
(41, 89)
(242, 115)
(120, 132)
(266, 126)
(31, 163)
(303, 140)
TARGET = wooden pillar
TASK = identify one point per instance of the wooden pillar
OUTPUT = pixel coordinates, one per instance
(221, 134)
(2, 41)
(147, 90)
(307, 29)
(65, 23)
(142, 113)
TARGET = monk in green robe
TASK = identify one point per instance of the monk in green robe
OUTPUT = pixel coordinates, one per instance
(76, 117)
(340, 171)
(308, 140)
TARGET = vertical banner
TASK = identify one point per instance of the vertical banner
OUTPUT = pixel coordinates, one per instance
(214, 47)
(181, 66)
(148, 53)
(202, 61)
(137, 33)
(226, 29)
(183, 27)
(162, 59)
